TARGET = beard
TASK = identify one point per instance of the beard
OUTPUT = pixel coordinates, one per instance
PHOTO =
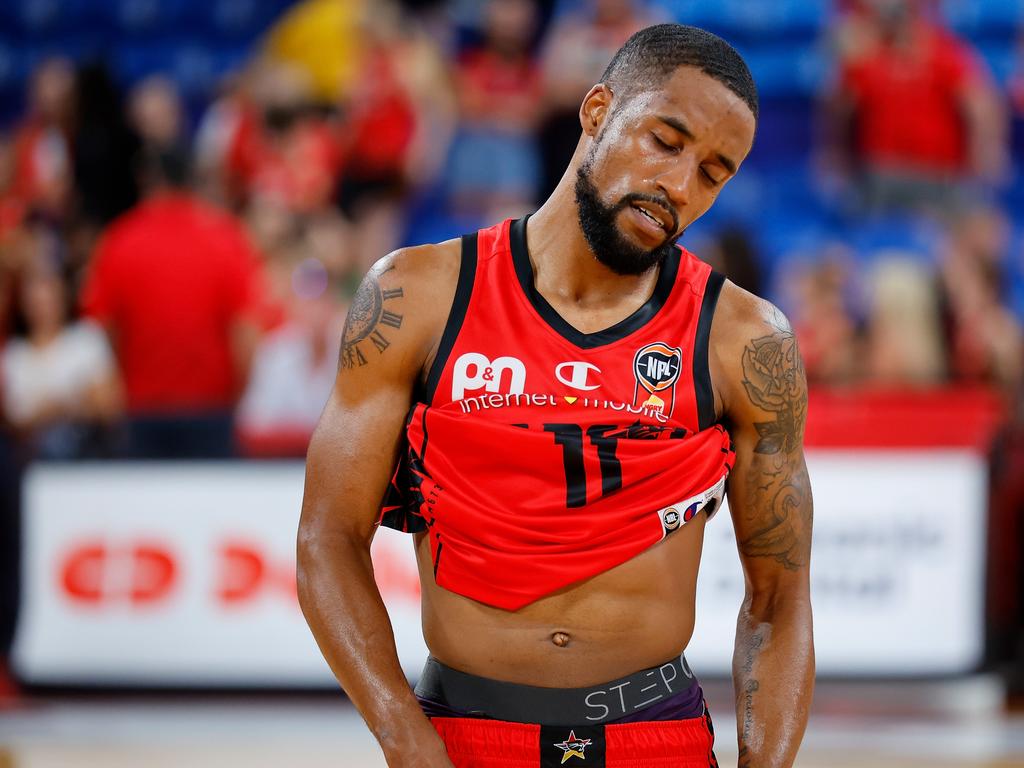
(606, 241)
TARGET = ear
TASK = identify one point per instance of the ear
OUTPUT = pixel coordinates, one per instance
(595, 108)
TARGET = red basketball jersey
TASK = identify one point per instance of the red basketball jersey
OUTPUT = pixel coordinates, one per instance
(540, 456)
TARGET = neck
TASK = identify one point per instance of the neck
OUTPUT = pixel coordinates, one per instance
(563, 264)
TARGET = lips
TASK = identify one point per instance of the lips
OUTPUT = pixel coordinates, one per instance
(656, 214)
(648, 214)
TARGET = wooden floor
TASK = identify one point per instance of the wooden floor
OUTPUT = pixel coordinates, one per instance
(905, 726)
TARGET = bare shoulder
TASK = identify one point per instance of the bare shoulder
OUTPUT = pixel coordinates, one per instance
(755, 360)
(401, 307)
(741, 315)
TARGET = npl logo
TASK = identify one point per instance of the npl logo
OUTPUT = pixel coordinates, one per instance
(574, 374)
(656, 368)
(473, 371)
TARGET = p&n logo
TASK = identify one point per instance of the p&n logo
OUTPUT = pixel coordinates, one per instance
(473, 371)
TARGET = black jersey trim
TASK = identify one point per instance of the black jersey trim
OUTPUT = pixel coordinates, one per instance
(457, 315)
(437, 558)
(701, 346)
(622, 329)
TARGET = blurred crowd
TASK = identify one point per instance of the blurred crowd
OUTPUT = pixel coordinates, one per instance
(174, 280)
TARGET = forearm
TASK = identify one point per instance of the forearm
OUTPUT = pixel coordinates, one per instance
(773, 676)
(344, 609)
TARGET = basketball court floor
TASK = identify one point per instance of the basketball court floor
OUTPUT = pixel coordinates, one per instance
(960, 724)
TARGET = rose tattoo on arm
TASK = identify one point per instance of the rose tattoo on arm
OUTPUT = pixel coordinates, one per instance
(773, 378)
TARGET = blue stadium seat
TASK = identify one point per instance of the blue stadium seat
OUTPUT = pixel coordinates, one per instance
(135, 61)
(786, 70)
(774, 19)
(781, 238)
(195, 70)
(193, 67)
(39, 17)
(998, 18)
(913, 235)
(232, 20)
(12, 74)
(144, 19)
(1015, 275)
(41, 20)
(1001, 58)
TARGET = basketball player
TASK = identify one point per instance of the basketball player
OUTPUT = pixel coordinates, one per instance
(554, 407)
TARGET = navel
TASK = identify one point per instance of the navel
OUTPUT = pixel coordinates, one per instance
(560, 639)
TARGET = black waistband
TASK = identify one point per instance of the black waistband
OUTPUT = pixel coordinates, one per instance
(554, 706)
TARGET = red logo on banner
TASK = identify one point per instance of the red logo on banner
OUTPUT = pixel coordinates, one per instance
(97, 573)
(245, 574)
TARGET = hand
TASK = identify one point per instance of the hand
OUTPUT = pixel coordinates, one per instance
(422, 749)
(423, 758)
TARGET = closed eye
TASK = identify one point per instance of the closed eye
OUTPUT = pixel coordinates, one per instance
(664, 144)
(711, 179)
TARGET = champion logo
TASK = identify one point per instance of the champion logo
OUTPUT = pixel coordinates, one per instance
(574, 374)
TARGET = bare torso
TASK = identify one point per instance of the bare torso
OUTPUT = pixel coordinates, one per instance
(634, 616)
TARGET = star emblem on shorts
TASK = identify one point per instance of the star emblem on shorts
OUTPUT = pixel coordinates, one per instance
(573, 747)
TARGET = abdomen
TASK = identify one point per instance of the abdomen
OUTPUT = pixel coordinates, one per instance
(636, 615)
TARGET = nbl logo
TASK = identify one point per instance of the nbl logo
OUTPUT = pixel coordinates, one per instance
(656, 368)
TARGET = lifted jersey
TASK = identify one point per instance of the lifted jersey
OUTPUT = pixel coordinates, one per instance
(539, 455)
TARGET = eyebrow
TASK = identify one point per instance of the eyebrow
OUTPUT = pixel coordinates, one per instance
(678, 125)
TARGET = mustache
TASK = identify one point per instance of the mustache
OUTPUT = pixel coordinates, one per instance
(661, 202)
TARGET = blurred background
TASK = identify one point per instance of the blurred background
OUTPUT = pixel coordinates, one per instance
(190, 190)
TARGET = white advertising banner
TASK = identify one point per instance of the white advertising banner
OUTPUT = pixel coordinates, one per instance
(180, 574)
(183, 574)
(897, 566)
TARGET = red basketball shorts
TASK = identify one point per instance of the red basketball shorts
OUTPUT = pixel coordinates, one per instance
(483, 743)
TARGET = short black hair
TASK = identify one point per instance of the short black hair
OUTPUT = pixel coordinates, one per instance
(654, 53)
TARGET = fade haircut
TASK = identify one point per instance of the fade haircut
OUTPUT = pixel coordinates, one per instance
(654, 53)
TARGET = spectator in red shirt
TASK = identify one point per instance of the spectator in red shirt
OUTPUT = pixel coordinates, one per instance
(915, 105)
(42, 144)
(281, 147)
(173, 281)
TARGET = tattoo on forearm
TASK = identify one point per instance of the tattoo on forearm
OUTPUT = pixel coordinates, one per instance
(773, 375)
(749, 685)
(749, 690)
(778, 489)
(368, 320)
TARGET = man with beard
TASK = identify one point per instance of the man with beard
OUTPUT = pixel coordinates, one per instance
(552, 407)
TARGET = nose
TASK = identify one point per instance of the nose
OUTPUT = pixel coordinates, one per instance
(677, 180)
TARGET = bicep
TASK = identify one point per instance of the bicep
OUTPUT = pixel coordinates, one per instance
(772, 510)
(769, 489)
(351, 457)
(353, 450)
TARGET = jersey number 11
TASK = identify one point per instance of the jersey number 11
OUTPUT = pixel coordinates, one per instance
(570, 437)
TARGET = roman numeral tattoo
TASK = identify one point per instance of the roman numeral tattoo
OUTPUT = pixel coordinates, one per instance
(390, 318)
(379, 340)
(365, 319)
